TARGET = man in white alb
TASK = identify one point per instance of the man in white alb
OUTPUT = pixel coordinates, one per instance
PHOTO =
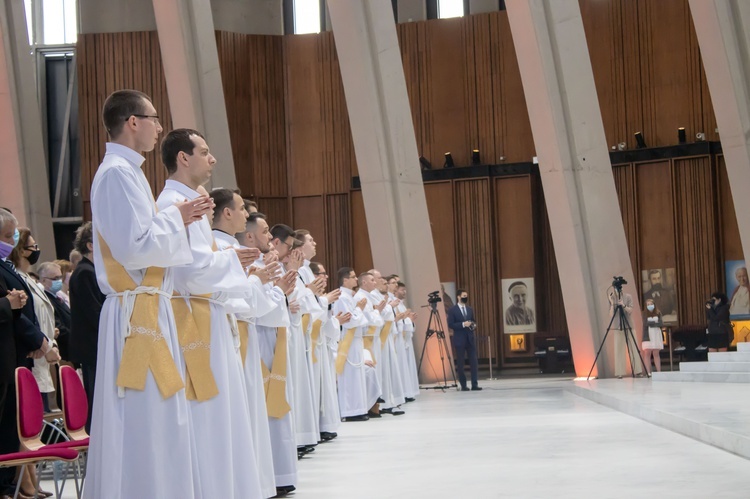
(140, 417)
(213, 370)
(408, 361)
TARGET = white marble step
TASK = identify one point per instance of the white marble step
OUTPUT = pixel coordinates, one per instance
(714, 367)
(729, 356)
(743, 346)
(704, 377)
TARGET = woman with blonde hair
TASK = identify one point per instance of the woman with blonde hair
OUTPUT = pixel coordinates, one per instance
(653, 341)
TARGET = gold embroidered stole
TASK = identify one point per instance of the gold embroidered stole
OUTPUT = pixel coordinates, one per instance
(274, 380)
(343, 351)
(314, 336)
(243, 328)
(194, 333)
(368, 339)
(145, 348)
(385, 332)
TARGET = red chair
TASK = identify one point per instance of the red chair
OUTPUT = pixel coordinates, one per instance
(75, 407)
(35, 457)
(30, 410)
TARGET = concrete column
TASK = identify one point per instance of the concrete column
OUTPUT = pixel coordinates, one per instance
(386, 149)
(579, 188)
(24, 188)
(722, 27)
(191, 68)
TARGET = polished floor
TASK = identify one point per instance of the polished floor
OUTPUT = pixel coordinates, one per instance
(518, 438)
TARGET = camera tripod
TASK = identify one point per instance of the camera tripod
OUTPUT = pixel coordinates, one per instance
(435, 328)
(628, 331)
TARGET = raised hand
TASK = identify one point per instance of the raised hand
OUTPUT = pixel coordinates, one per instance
(380, 306)
(394, 303)
(294, 307)
(295, 259)
(343, 318)
(270, 257)
(286, 282)
(247, 255)
(192, 211)
(317, 286)
(333, 295)
(361, 304)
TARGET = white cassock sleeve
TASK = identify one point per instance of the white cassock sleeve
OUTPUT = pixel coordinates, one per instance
(257, 303)
(137, 236)
(277, 316)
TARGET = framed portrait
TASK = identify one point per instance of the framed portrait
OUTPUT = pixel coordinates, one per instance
(738, 289)
(659, 285)
(519, 307)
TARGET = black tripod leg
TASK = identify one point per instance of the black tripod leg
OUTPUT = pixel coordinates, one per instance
(629, 331)
(424, 345)
(601, 345)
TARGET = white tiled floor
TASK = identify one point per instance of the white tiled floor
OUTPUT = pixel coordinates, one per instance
(516, 439)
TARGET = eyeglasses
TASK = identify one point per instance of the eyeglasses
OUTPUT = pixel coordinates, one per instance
(154, 117)
(288, 245)
(33, 247)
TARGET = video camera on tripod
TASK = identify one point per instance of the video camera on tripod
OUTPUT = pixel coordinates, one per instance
(434, 298)
(618, 282)
(435, 328)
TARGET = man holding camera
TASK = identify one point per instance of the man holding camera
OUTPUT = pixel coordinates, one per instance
(461, 321)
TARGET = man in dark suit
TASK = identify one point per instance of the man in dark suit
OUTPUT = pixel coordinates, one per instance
(461, 321)
(86, 301)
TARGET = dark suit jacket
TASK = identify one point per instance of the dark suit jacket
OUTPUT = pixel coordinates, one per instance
(28, 336)
(62, 322)
(7, 336)
(86, 301)
(455, 318)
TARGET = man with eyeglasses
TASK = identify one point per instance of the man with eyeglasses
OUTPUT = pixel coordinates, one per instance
(140, 415)
(50, 276)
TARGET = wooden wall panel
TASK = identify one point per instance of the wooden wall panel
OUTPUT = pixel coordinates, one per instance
(339, 232)
(309, 213)
(276, 210)
(514, 227)
(251, 71)
(476, 256)
(730, 232)
(107, 62)
(362, 253)
(440, 207)
(626, 195)
(655, 216)
(698, 268)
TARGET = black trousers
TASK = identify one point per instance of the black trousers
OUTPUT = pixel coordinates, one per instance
(8, 434)
(466, 344)
(89, 375)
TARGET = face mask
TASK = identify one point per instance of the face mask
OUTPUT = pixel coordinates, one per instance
(465, 299)
(34, 256)
(5, 249)
(16, 237)
(650, 308)
(56, 286)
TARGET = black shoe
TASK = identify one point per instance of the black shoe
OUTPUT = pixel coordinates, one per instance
(409, 399)
(464, 389)
(396, 411)
(327, 436)
(374, 414)
(476, 388)
(363, 417)
(285, 490)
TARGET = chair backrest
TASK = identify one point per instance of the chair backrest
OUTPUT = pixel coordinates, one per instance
(75, 405)
(30, 409)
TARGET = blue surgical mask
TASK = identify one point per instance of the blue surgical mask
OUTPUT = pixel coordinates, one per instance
(16, 237)
(56, 286)
(650, 308)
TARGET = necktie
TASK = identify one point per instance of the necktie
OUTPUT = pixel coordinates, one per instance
(10, 265)
(463, 311)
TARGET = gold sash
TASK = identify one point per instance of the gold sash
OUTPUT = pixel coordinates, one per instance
(194, 334)
(368, 338)
(385, 332)
(244, 329)
(314, 335)
(274, 381)
(305, 322)
(145, 348)
(343, 351)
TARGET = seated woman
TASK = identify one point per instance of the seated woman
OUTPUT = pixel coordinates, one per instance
(653, 342)
(719, 327)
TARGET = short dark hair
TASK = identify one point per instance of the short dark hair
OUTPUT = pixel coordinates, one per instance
(177, 141)
(315, 267)
(249, 203)
(517, 283)
(84, 235)
(721, 296)
(300, 234)
(223, 198)
(459, 291)
(401, 284)
(343, 273)
(252, 221)
(119, 107)
(362, 275)
(281, 232)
